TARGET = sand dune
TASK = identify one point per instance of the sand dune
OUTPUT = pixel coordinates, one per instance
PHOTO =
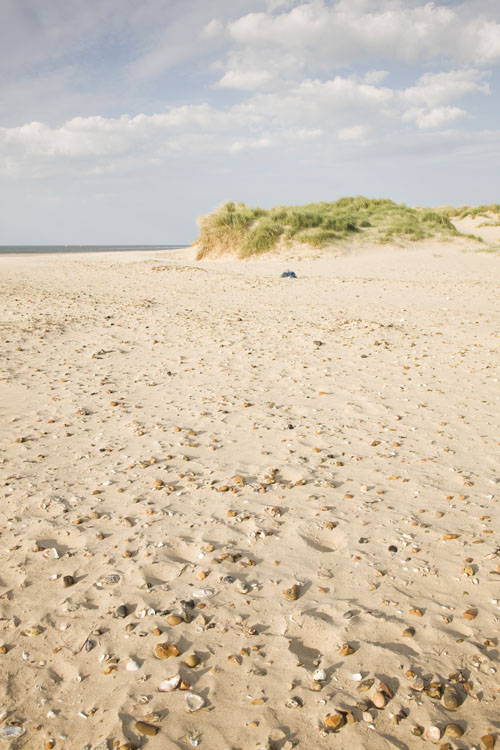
(194, 439)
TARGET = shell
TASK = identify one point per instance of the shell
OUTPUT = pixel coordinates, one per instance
(433, 734)
(10, 733)
(194, 702)
(335, 721)
(356, 677)
(166, 650)
(319, 675)
(171, 683)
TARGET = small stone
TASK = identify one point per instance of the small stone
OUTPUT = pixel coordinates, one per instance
(453, 730)
(292, 594)
(68, 581)
(192, 660)
(470, 614)
(468, 570)
(121, 611)
(408, 632)
(174, 620)
(33, 631)
(146, 729)
(379, 700)
(166, 650)
(450, 699)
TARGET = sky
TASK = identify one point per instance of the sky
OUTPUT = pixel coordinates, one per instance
(122, 121)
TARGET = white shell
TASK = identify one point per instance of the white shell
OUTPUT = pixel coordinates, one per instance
(319, 675)
(203, 593)
(171, 683)
(356, 677)
(194, 702)
(433, 734)
(9, 733)
(52, 553)
(132, 666)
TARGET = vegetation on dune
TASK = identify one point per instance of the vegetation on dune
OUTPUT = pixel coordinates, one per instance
(246, 231)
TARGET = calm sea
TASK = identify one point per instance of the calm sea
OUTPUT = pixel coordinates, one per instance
(38, 249)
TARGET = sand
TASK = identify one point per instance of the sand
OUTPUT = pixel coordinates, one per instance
(194, 439)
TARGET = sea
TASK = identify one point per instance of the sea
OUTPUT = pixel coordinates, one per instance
(41, 249)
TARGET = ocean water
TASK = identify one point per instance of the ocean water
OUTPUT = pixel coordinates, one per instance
(40, 249)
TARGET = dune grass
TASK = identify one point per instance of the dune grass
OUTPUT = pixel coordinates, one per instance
(239, 229)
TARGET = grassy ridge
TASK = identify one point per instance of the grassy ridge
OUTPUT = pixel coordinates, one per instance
(245, 231)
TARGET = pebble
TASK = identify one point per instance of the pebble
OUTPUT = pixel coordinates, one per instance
(192, 660)
(453, 730)
(121, 611)
(68, 581)
(292, 594)
(450, 699)
(146, 729)
(379, 700)
(174, 620)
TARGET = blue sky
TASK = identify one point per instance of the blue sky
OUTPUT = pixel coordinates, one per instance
(122, 121)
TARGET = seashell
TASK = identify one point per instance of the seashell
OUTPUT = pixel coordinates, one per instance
(346, 650)
(356, 677)
(335, 721)
(132, 666)
(379, 699)
(194, 702)
(203, 593)
(319, 675)
(433, 734)
(68, 581)
(51, 553)
(489, 741)
(454, 730)
(10, 733)
(418, 684)
(166, 650)
(171, 683)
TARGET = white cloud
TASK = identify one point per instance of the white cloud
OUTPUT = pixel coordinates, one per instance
(246, 80)
(434, 89)
(434, 118)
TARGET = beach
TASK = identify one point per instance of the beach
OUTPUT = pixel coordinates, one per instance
(247, 511)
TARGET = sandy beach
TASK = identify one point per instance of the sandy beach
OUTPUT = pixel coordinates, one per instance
(243, 511)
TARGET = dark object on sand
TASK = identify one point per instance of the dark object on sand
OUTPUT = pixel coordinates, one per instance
(288, 275)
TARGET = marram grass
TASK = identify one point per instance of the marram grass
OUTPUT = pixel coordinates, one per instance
(244, 231)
